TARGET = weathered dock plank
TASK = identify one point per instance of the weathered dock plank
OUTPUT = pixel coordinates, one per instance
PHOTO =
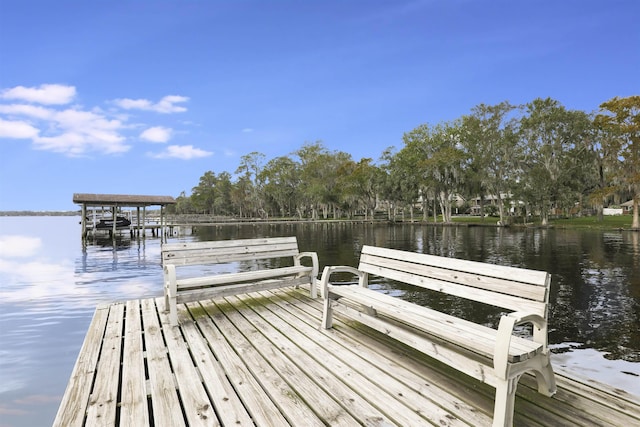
(164, 396)
(226, 403)
(104, 396)
(265, 368)
(250, 391)
(260, 359)
(133, 402)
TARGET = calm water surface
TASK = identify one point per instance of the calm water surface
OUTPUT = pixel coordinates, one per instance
(49, 288)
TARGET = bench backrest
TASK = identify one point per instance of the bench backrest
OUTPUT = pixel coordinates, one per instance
(515, 289)
(224, 251)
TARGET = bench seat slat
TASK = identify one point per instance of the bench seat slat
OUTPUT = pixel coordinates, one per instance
(522, 275)
(221, 255)
(217, 250)
(505, 301)
(475, 280)
(451, 328)
(229, 244)
(224, 251)
(478, 338)
(195, 259)
(245, 276)
(201, 294)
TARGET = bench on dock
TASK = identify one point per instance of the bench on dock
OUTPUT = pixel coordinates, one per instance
(259, 252)
(494, 356)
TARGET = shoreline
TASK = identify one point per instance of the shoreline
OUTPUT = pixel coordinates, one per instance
(614, 223)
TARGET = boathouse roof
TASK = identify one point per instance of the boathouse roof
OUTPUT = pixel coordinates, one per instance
(121, 200)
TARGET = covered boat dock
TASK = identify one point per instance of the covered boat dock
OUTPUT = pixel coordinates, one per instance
(116, 201)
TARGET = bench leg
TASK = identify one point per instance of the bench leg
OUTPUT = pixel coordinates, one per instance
(170, 293)
(173, 312)
(313, 289)
(327, 314)
(546, 380)
(505, 402)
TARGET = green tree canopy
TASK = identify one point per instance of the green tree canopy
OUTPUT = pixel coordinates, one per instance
(621, 118)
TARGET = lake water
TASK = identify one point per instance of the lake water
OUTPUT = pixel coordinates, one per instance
(50, 287)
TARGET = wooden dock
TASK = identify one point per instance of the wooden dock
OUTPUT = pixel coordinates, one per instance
(261, 359)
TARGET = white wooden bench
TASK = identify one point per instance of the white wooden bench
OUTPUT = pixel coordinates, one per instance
(496, 357)
(259, 277)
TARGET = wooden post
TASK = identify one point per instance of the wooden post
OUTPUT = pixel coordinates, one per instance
(162, 236)
(113, 227)
(83, 221)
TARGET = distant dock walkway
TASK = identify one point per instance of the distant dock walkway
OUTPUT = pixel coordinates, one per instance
(260, 359)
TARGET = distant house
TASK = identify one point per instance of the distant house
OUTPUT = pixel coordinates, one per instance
(491, 199)
(627, 207)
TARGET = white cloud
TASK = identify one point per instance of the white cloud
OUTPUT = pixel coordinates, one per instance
(156, 134)
(17, 130)
(48, 94)
(165, 105)
(184, 152)
(247, 130)
(34, 111)
(73, 130)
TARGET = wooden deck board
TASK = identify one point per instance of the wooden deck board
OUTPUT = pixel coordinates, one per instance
(165, 402)
(133, 402)
(104, 396)
(255, 398)
(261, 359)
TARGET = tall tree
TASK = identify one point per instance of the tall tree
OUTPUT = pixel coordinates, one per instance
(363, 179)
(400, 185)
(249, 168)
(311, 157)
(412, 157)
(551, 135)
(604, 162)
(447, 165)
(223, 186)
(621, 118)
(319, 172)
(439, 160)
(489, 136)
(281, 181)
(203, 195)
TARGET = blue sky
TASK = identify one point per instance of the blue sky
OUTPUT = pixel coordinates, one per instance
(144, 97)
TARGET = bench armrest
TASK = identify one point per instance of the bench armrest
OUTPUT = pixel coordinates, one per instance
(315, 269)
(329, 270)
(505, 331)
(314, 261)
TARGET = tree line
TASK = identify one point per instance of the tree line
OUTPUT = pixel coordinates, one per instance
(535, 159)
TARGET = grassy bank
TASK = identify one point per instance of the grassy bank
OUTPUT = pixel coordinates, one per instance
(608, 222)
